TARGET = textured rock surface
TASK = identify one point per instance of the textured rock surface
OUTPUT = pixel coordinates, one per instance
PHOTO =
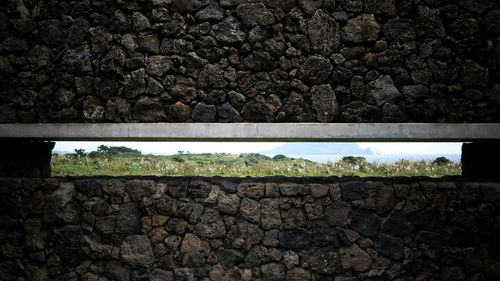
(132, 229)
(249, 61)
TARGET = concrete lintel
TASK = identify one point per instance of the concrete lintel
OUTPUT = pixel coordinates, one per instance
(254, 131)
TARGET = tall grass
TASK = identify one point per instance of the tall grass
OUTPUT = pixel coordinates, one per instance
(253, 165)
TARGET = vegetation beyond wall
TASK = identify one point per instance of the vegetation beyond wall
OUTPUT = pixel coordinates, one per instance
(215, 229)
(249, 60)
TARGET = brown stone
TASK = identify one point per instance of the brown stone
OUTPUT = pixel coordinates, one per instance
(194, 250)
(355, 258)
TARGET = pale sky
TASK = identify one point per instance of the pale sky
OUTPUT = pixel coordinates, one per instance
(441, 148)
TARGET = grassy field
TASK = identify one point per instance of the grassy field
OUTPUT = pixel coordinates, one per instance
(253, 165)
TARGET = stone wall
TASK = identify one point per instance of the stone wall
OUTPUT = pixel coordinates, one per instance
(249, 60)
(249, 229)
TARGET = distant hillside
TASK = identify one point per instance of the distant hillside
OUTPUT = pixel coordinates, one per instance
(319, 148)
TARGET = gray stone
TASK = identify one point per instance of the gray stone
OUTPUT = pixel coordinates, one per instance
(212, 13)
(319, 190)
(325, 103)
(383, 91)
(295, 239)
(136, 250)
(137, 189)
(355, 258)
(315, 69)
(210, 225)
(204, 113)
(353, 190)
(229, 257)
(389, 246)
(254, 14)
(323, 33)
(365, 222)
(229, 32)
(337, 214)
(360, 29)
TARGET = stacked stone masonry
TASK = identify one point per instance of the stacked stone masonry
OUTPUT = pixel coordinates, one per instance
(213, 229)
(249, 61)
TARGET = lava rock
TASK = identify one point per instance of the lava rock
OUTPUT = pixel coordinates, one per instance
(229, 32)
(148, 109)
(324, 235)
(323, 33)
(355, 258)
(397, 225)
(363, 28)
(295, 239)
(229, 257)
(136, 251)
(91, 188)
(212, 13)
(389, 246)
(204, 113)
(353, 190)
(383, 91)
(315, 69)
(365, 222)
(254, 14)
(337, 214)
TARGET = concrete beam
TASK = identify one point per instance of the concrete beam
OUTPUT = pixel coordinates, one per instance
(254, 131)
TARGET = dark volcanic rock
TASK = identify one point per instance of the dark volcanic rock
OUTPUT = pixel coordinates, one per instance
(315, 69)
(324, 102)
(254, 14)
(295, 239)
(229, 32)
(78, 61)
(324, 235)
(353, 190)
(229, 257)
(50, 32)
(365, 222)
(212, 12)
(296, 110)
(323, 33)
(428, 220)
(389, 246)
(90, 188)
(148, 109)
(476, 6)
(204, 113)
(397, 225)
(362, 28)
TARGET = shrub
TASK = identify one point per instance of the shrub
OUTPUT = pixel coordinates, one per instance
(354, 160)
(441, 161)
(279, 157)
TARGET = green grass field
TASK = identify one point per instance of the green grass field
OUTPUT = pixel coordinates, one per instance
(253, 165)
